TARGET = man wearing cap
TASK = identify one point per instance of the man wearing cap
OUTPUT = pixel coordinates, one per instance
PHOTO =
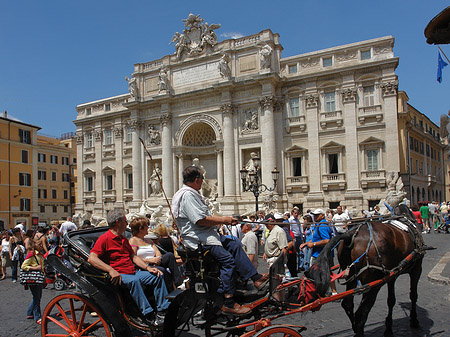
(199, 227)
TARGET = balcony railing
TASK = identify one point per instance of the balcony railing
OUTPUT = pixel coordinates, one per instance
(297, 183)
(109, 195)
(327, 117)
(89, 196)
(370, 112)
(377, 177)
(333, 180)
(297, 121)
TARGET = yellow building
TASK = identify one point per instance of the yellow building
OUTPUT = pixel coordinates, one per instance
(18, 169)
(56, 186)
(421, 154)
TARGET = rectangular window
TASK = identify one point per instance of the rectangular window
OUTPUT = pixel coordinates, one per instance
(366, 55)
(107, 107)
(66, 209)
(109, 182)
(439, 156)
(42, 175)
(25, 204)
(42, 208)
(372, 160)
(25, 136)
(88, 140)
(54, 194)
(129, 180)
(108, 137)
(428, 150)
(417, 166)
(333, 166)
(294, 107)
(330, 101)
(293, 69)
(24, 179)
(128, 134)
(66, 194)
(44, 193)
(328, 62)
(53, 159)
(297, 166)
(53, 176)
(421, 147)
(41, 157)
(89, 184)
(24, 156)
(55, 209)
(88, 111)
(411, 143)
(369, 95)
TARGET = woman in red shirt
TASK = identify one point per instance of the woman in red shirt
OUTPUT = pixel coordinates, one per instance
(418, 216)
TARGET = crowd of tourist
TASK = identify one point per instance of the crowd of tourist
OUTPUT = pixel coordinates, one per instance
(300, 237)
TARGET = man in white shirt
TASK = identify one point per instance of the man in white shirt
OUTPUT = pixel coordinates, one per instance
(67, 226)
(340, 220)
(297, 229)
(250, 243)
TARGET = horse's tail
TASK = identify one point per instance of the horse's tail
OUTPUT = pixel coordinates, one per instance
(320, 271)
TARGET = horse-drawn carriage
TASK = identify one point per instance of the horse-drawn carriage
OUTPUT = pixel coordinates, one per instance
(101, 309)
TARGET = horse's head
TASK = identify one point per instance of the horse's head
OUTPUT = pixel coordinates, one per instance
(404, 210)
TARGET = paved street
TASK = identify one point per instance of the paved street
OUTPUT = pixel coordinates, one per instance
(434, 305)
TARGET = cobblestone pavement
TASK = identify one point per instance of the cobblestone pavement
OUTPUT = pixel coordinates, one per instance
(433, 304)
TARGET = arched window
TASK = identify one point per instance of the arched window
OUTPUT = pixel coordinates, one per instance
(199, 134)
(418, 194)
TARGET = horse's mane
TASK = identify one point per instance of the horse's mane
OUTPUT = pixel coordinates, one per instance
(320, 271)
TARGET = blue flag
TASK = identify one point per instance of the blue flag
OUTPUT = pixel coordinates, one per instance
(441, 65)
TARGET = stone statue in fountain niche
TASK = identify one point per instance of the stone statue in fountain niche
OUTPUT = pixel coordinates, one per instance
(154, 181)
(265, 53)
(209, 186)
(224, 67)
(132, 86)
(163, 80)
(396, 193)
(154, 136)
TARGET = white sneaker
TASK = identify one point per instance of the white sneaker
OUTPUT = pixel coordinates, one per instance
(14, 281)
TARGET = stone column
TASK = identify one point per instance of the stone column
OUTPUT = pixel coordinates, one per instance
(351, 138)
(80, 168)
(314, 155)
(166, 143)
(120, 181)
(98, 185)
(389, 93)
(219, 173)
(136, 161)
(228, 150)
(180, 169)
(268, 146)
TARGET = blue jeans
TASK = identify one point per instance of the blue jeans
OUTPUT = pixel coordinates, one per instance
(34, 308)
(14, 268)
(298, 242)
(134, 283)
(232, 260)
(307, 257)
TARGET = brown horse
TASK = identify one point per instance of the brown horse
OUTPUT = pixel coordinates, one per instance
(370, 251)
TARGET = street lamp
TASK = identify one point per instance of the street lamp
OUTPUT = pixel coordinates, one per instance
(250, 180)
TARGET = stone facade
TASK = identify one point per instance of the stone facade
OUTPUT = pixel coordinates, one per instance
(326, 119)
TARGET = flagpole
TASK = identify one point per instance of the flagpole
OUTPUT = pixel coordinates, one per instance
(443, 53)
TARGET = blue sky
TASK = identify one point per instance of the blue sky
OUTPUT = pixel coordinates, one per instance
(56, 54)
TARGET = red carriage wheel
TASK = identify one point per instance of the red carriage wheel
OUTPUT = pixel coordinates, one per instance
(277, 331)
(73, 315)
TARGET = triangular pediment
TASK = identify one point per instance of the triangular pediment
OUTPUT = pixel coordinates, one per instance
(295, 148)
(371, 140)
(88, 171)
(332, 144)
(108, 168)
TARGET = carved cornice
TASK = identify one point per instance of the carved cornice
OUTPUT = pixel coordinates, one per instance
(389, 88)
(348, 95)
(228, 108)
(312, 100)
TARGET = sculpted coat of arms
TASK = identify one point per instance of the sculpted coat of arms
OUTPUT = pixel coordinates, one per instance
(197, 36)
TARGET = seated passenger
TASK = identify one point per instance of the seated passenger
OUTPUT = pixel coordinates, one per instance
(197, 225)
(151, 255)
(113, 254)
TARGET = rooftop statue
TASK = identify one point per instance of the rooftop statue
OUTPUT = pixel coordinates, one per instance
(196, 37)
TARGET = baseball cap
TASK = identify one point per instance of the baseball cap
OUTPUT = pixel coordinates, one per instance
(318, 211)
(278, 215)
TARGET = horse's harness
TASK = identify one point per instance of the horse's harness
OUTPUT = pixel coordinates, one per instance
(418, 250)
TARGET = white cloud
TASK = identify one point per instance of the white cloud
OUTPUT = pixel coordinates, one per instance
(232, 35)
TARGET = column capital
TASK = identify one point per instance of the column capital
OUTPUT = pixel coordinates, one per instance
(98, 135)
(228, 108)
(348, 95)
(165, 118)
(79, 137)
(118, 131)
(135, 124)
(312, 100)
(389, 88)
(179, 155)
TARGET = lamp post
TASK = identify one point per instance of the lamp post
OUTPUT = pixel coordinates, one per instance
(250, 180)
